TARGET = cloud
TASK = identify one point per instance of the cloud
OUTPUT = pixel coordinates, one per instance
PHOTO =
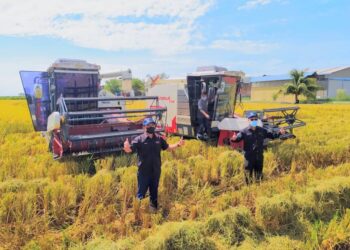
(251, 4)
(108, 24)
(243, 46)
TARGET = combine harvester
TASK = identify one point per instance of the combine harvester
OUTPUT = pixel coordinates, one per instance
(223, 88)
(80, 119)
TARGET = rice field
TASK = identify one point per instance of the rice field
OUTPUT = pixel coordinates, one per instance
(302, 203)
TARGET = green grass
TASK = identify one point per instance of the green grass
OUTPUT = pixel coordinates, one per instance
(12, 98)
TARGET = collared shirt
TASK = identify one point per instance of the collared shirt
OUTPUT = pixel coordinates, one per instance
(148, 151)
(202, 105)
(254, 140)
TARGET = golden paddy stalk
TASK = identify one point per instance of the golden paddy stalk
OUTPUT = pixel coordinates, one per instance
(302, 203)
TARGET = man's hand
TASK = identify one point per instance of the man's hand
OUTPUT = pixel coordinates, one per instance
(205, 114)
(176, 145)
(282, 131)
(234, 137)
(127, 147)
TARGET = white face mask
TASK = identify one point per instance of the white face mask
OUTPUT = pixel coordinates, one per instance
(204, 98)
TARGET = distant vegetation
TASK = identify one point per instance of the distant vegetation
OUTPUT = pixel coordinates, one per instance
(12, 97)
(138, 86)
(115, 86)
(342, 95)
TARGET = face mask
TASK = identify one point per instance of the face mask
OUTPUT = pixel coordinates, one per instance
(254, 123)
(151, 130)
(204, 98)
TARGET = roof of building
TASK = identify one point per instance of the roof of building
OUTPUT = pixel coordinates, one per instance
(217, 73)
(284, 77)
(329, 71)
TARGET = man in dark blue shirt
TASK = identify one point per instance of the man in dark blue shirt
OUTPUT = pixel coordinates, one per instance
(253, 137)
(148, 147)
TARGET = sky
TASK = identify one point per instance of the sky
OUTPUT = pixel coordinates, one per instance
(173, 36)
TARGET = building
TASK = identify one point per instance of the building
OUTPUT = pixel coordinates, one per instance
(268, 87)
(332, 80)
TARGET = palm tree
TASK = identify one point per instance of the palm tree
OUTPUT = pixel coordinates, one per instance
(301, 85)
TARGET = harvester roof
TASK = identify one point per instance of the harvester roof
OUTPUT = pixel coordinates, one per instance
(215, 71)
(73, 64)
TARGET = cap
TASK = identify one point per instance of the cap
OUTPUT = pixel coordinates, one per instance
(252, 114)
(147, 121)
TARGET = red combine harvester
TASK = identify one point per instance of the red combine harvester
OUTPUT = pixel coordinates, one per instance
(223, 88)
(64, 101)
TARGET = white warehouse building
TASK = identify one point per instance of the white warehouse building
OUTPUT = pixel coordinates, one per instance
(332, 80)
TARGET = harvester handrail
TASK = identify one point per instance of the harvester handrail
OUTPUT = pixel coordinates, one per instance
(122, 98)
(64, 106)
(110, 134)
(106, 112)
(105, 118)
(280, 109)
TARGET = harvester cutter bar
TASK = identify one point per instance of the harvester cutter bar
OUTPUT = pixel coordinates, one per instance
(98, 151)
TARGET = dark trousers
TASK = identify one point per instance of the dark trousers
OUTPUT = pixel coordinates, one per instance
(253, 164)
(145, 181)
(204, 125)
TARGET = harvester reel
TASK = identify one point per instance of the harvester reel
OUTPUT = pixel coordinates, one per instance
(274, 119)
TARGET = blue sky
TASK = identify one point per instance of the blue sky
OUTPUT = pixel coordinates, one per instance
(155, 36)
